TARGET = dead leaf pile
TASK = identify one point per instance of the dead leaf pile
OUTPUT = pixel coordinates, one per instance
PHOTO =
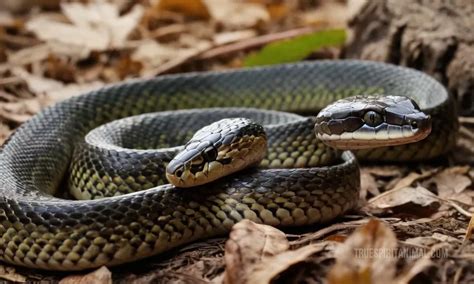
(71, 47)
(371, 254)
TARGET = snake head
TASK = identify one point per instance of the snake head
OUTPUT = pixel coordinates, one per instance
(372, 121)
(217, 150)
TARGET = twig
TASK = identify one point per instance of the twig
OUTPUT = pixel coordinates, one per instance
(226, 49)
(252, 43)
(466, 119)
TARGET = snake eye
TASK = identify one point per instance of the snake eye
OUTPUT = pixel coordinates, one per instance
(179, 172)
(373, 118)
(414, 124)
(210, 154)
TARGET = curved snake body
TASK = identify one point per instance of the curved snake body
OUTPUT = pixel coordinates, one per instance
(39, 230)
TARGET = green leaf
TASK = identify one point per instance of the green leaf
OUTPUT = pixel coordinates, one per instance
(295, 49)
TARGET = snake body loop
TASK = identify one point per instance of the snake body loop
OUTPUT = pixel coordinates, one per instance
(40, 230)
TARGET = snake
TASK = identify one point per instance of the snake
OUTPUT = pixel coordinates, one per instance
(91, 143)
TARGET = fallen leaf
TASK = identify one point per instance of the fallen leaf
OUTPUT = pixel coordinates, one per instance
(37, 84)
(191, 8)
(367, 256)
(329, 14)
(9, 274)
(279, 10)
(99, 276)
(270, 269)
(248, 244)
(418, 201)
(97, 26)
(412, 177)
(68, 91)
(153, 55)
(237, 15)
(368, 184)
(295, 49)
(20, 111)
(451, 181)
(29, 55)
(422, 263)
(469, 229)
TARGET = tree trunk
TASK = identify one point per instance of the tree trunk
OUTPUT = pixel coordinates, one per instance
(435, 36)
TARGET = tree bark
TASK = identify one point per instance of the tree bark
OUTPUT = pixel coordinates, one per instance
(434, 36)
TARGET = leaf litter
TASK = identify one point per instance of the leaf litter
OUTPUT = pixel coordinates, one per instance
(417, 217)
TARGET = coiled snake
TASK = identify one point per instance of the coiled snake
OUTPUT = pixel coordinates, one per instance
(299, 182)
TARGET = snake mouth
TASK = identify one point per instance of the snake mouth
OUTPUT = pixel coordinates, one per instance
(357, 140)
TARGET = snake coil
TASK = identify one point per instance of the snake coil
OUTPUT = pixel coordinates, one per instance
(40, 230)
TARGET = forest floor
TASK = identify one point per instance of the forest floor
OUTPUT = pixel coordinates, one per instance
(413, 223)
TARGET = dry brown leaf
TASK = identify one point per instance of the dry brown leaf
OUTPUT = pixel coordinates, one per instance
(401, 196)
(469, 229)
(412, 177)
(94, 27)
(99, 276)
(328, 14)
(368, 184)
(9, 274)
(269, 269)
(191, 8)
(354, 6)
(153, 54)
(451, 181)
(418, 201)
(384, 171)
(367, 256)
(68, 91)
(420, 265)
(29, 55)
(248, 244)
(48, 91)
(237, 15)
(20, 111)
(37, 84)
(279, 10)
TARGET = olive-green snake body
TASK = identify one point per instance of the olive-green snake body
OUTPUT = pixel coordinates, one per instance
(300, 181)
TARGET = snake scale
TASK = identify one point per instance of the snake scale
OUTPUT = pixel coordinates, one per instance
(38, 229)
